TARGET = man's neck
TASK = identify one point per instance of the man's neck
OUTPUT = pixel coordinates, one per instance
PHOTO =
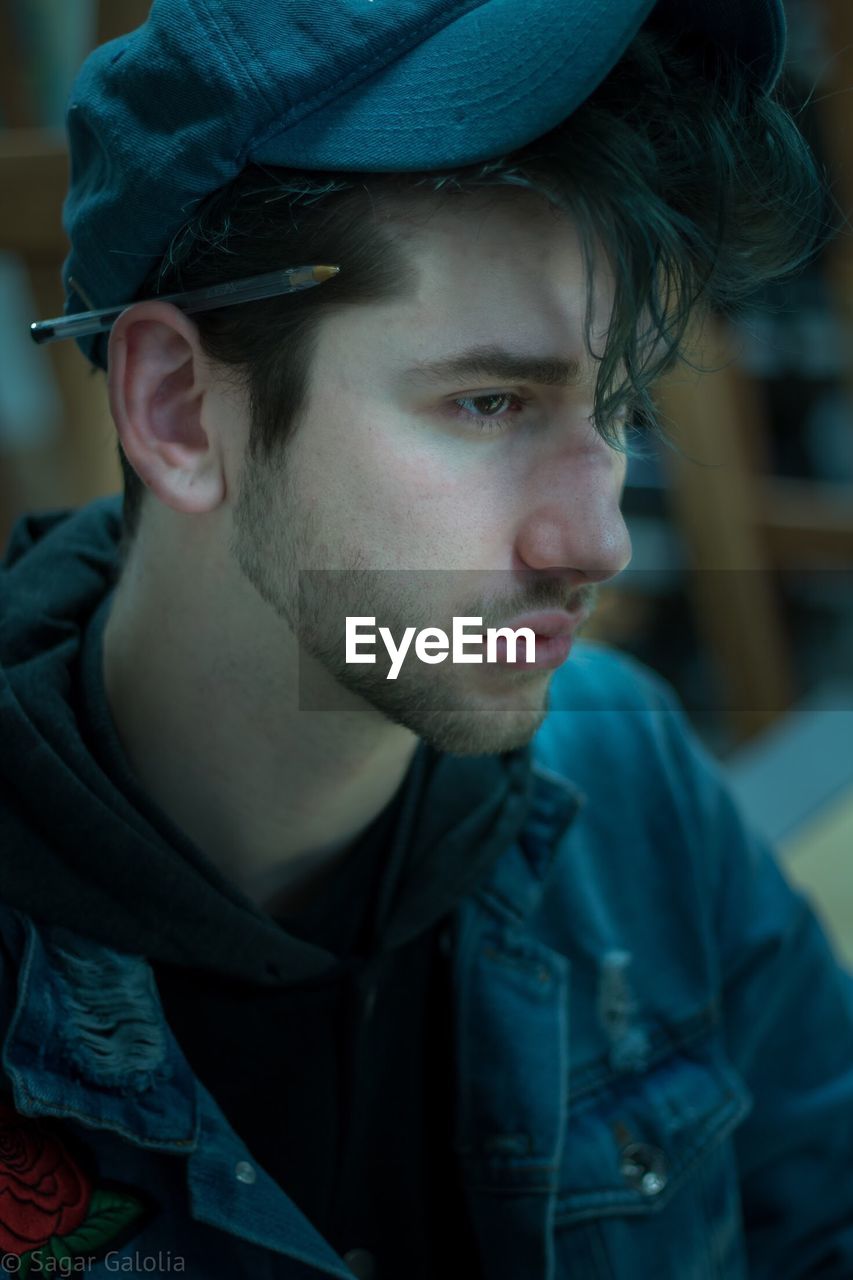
(272, 794)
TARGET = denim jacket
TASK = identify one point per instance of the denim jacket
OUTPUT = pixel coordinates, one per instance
(654, 1045)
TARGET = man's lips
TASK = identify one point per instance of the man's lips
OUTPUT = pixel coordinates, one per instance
(553, 622)
(553, 630)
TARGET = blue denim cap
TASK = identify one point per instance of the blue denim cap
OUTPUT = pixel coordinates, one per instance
(163, 116)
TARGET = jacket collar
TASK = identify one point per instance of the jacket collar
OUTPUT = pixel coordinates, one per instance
(88, 1041)
(518, 878)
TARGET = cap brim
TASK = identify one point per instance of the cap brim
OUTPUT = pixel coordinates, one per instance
(501, 75)
(490, 81)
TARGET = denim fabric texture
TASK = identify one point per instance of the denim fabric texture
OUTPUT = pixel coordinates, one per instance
(654, 1040)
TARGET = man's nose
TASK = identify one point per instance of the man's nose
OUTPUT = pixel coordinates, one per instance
(574, 524)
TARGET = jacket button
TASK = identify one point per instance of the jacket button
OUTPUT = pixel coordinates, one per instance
(644, 1168)
(361, 1263)
(244, 1172)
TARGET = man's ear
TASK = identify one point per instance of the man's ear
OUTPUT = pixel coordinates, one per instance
(157, 382)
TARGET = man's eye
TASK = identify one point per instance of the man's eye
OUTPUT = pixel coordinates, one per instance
(488, 418)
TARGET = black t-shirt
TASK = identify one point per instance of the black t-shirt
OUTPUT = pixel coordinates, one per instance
(342, 1087)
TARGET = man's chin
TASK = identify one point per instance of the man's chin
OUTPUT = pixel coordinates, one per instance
(461, 718)
(481, 733)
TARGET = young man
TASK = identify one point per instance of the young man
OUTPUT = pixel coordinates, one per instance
(475, 970)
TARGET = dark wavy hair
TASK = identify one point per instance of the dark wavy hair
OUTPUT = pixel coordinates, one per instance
(699, 188)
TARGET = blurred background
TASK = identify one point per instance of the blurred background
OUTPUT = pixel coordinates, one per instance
(740, 592)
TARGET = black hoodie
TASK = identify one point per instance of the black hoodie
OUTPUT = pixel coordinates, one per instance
(325, 1036)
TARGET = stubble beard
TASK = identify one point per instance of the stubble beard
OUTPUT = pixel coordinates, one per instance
(462, 710)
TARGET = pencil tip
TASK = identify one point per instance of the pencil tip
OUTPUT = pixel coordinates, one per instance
(325, 273)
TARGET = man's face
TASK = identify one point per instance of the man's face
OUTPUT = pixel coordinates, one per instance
(431, 496)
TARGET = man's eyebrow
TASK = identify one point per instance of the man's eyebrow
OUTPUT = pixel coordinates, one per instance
(496, 363)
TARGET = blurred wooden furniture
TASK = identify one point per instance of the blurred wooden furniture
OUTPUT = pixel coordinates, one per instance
(81, 463)
(116, 17)
(741, 525)
(16, 98)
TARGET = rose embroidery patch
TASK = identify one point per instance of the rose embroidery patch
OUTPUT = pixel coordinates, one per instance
(49, 1204)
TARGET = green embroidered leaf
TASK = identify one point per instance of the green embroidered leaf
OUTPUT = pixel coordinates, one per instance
(58, 1248)
(27, 1262)
(109, 1213)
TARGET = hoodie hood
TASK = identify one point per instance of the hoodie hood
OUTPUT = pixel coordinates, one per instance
(85, 848)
